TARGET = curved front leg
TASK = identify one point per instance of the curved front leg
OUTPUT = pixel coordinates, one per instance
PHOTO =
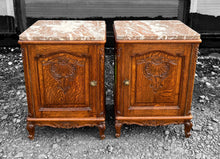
(188, 126)
(118, 126)
(101, 127)
(31, 130)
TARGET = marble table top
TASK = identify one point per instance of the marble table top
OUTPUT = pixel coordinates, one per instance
(65, 30)
(154, 30)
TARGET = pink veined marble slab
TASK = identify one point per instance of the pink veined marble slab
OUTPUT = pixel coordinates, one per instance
(65, 30)
(154, 30)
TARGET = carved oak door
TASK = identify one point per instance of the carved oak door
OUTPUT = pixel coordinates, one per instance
(154, 80)
(65, 81)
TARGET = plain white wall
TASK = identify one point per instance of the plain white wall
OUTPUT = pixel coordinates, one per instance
(208, 7)
(7, 7)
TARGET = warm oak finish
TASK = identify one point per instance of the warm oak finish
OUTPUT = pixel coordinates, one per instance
(154, 82)
(64, 84)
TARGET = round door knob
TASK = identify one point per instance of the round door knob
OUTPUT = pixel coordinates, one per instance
(126, 82)
(93, 83)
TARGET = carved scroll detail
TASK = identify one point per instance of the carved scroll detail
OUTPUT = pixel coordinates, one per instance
(66, 124)
(153, 122)
(63, 70)
(157, 68)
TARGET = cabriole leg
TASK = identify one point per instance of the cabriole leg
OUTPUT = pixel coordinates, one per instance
(118, 126)
(101, 127)
(31, 130)
(188, 126)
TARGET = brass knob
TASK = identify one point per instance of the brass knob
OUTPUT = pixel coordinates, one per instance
(126, 82)
(93, 83)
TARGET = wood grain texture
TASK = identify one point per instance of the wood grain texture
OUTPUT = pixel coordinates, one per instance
(154, 93)
(101, 50)
(155, 73)
(160, 85)
(24, 51)
(192, 71)
(58, 85)
(64, 78)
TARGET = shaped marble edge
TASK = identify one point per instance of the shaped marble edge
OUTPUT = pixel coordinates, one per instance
(154, 30)
(65, 30)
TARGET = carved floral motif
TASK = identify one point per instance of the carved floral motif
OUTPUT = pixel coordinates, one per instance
(63, 70)
(157, 68)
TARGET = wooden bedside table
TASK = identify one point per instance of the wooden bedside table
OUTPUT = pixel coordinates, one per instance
(155, 68)
(64, 74)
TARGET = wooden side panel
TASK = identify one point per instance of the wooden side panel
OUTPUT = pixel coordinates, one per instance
(190, 85)
(100, 49)
(119, 104)
(26, 64)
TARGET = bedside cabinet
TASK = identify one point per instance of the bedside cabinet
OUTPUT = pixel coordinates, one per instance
(64, 74)
(155, 68)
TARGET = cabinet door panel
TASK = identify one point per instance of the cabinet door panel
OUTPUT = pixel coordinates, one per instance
(64, 80)
(155, 79)
(61, 80)
(158, 75)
